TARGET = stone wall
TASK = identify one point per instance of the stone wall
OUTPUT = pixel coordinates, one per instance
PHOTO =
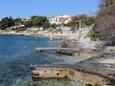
(50, 73)
(45, 73)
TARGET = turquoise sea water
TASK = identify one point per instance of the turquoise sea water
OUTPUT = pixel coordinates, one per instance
(17, 53)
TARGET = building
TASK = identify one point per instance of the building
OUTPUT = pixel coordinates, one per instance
(53, 20)
(26, 19)
(64, 19)
(59, 19)
(67, 20)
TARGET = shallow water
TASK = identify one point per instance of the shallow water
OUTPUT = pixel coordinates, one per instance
(17, 53)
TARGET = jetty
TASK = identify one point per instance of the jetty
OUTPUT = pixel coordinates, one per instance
(40, 49)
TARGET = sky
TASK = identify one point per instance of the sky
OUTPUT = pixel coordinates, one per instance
(27, 8)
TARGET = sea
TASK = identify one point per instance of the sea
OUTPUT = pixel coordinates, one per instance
(17, 53)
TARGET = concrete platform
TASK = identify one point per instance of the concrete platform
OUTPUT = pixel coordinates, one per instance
(40, 49)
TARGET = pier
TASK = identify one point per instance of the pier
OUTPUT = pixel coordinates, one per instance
(40, 49)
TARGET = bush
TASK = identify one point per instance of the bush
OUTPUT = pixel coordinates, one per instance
(95, 36)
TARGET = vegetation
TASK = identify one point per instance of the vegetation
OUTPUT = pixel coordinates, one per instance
(55, 25)
(36, 21)
(6, 22)
(42, 21)
(105, 21)
(80, 20)
(18, 21)
(28, 23)
(95, 36)
(39, 21)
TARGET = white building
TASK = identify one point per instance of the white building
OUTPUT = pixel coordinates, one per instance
(59, 19)
(53, 20)
(67, 20)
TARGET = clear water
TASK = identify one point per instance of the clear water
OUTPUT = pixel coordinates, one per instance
(17, 53)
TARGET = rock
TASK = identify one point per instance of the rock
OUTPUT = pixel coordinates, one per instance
(110, 48)
(86, 52)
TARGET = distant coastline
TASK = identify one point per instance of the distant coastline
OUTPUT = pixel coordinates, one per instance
(39, 33)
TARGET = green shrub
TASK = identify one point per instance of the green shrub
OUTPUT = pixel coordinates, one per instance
(95, 36)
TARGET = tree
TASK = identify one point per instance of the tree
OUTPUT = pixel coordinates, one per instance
(18, 21)
(105, 21)
(39, 21)
(54, 25)
(89, 21)
(28, 24)
(80, 21)
(46, 25)
(6, 22)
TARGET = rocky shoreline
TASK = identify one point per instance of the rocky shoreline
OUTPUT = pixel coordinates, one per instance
(91, 72)
(101, 63)
(92, 66)
(99, 70)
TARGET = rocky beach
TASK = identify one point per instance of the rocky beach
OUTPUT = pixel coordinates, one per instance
(99, 70)
(102, 61)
